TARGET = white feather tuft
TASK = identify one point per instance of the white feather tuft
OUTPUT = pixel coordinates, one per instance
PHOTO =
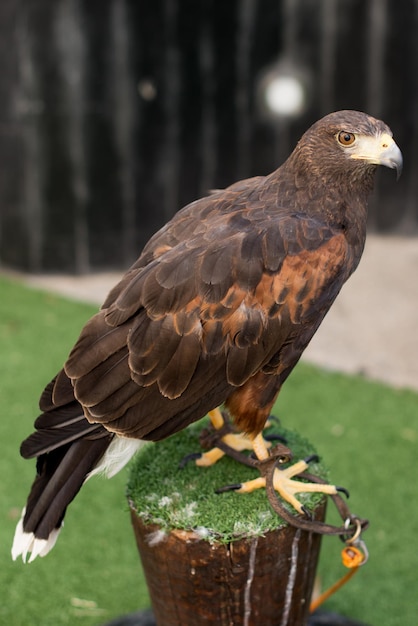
(118, 454)
(202, 531)
(24, 543)
(156, 537)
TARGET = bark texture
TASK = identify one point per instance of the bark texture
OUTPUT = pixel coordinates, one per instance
(250, 582)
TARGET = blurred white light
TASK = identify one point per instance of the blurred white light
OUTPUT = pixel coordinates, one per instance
(283, 90)
(147, 89)
(285, 96)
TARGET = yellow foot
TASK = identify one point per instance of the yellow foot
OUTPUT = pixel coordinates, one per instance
(237, 441)
(286, 487)
(283, 480)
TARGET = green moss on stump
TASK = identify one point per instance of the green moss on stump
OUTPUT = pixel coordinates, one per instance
(185, 499)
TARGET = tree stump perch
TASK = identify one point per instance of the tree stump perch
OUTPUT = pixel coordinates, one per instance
(223, 572)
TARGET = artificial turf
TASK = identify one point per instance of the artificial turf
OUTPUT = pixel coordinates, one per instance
(366, 432)
(185, 498)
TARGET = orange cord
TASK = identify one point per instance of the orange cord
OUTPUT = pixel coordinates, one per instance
(329, 592)
(352, 558)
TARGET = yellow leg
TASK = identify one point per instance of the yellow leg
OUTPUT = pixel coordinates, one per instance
(216, 418)
(237, 441)
(260, 448)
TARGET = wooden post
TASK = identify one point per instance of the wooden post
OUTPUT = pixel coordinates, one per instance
(254, 579)
(251, 582)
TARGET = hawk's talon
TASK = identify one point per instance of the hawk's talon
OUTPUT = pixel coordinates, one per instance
(312, 458)
(273, 437)
(306, 513)
(227, 488)
(344, 491)
(189, 457)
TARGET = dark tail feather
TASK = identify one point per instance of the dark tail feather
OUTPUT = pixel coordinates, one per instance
(60, 475)
(68, 449)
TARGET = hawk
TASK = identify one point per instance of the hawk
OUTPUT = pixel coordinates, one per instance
(216, 311)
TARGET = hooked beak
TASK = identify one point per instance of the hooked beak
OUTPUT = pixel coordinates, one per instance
(381, 150)
(391, 156)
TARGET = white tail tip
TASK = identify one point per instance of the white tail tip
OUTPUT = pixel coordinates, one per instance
(25, 543)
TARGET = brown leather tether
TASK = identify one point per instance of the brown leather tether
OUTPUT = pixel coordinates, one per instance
(352, 524)
(278, 455)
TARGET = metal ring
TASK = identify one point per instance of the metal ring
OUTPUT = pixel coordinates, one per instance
(357, 533)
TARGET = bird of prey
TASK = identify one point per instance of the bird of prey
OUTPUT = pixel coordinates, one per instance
(216, 311)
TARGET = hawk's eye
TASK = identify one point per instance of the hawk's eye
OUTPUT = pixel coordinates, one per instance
(346, 139)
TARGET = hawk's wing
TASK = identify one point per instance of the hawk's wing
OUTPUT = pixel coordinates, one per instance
(222, 292)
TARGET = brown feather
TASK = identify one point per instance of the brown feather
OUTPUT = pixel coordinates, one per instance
(217, 309)
(97, 341)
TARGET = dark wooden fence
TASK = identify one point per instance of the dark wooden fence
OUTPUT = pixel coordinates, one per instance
(115, 113)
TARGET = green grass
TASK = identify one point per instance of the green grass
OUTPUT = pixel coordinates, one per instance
(96, 558)
(367, 434)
